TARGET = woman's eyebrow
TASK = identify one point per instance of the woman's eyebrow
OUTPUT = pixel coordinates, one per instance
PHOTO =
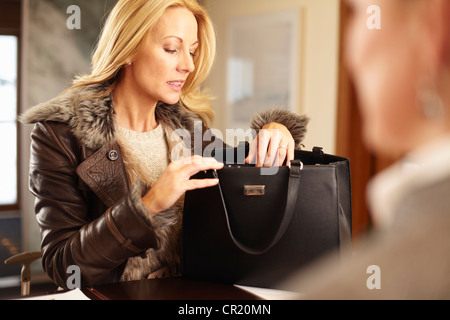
(181, 39)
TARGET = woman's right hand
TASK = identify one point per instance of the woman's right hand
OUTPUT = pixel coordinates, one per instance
(176, 180)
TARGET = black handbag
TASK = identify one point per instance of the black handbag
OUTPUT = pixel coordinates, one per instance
(256, 228)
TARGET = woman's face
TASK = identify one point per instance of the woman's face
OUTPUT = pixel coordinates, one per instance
(167, 57)
(384, 64)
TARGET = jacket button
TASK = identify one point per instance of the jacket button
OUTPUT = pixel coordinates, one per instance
(113, 155)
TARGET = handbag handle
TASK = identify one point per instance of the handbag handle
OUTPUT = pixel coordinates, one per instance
(293, 187)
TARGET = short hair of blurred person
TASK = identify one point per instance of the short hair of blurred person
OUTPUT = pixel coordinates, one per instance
(401, 72)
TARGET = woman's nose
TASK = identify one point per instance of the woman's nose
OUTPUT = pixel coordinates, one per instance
(186, 63)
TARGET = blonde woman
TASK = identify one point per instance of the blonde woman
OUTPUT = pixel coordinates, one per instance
(108, 195)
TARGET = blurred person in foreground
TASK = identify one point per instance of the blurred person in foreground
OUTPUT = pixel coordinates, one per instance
(402, 76)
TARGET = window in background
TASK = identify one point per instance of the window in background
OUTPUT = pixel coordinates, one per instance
(8, 124)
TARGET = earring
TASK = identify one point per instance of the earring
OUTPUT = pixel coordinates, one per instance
(129, 63)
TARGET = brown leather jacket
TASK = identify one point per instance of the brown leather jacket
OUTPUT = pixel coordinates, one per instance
(88, 214)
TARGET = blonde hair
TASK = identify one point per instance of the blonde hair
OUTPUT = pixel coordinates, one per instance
(124, 32)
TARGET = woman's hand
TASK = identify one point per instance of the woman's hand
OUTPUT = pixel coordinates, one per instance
(176, 180)
(272, 146)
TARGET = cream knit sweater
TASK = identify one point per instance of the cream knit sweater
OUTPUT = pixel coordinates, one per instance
(146, 156)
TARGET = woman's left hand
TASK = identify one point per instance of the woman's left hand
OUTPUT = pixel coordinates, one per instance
(272, 146)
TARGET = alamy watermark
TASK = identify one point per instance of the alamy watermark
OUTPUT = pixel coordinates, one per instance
(185, 146)
(74, 280)
(374, 21)
(374, 280)
(74, 20)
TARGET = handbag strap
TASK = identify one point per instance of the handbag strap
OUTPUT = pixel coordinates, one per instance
(293, 187)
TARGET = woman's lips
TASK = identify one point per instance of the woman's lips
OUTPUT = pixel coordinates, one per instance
(176, 85)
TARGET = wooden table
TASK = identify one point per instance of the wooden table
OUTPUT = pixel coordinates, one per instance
(168, 289)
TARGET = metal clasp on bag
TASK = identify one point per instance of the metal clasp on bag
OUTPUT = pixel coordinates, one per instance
(251, 191)
(300, 163)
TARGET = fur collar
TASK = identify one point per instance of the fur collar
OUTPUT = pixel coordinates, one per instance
(90, 114)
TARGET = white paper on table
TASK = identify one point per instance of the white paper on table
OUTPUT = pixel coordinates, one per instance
(270, 294)
(75, 294)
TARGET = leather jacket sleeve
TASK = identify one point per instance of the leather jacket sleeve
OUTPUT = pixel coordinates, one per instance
(76, 228)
